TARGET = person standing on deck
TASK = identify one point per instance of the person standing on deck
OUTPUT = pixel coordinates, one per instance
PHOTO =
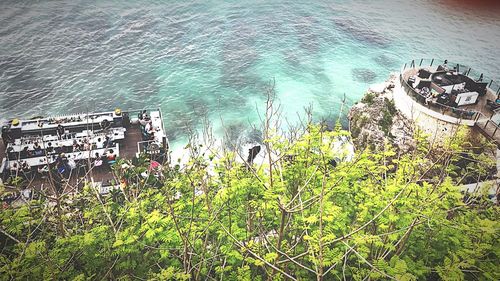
(60, 131)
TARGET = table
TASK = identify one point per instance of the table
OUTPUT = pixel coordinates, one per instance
(84, 120)
(80, 155)
(19, 144)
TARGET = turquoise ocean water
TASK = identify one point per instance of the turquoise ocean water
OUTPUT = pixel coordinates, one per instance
(214, 58)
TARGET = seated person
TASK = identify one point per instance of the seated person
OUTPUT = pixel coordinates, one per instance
(108, 142)
(492, 105)
(25, 167)
(99, 144)
(428, 99)
(76, 146)
(71, 164)
(63, 165)
(37, 149)
(43, 170)
(14, 169)
(425, 91)
(143, 114)
(149, 128)
(144, 120)
(58, 150)
(62, 160)
(86, 144)
(111, 156)
(152, 136)
(25, 153)
(49, 148)
(98, 160)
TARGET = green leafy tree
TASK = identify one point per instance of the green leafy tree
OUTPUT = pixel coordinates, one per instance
(298, 215)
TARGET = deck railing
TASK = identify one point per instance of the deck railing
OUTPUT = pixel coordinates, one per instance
(490, 128)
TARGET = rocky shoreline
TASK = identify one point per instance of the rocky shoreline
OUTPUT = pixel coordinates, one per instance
(375, 120)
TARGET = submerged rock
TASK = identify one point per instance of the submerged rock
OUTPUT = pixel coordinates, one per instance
(364, 75)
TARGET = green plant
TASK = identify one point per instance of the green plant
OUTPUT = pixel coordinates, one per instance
(368, 98)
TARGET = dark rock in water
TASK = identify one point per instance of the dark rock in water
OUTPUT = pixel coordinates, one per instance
(252, 153)
(305, 30)
(238, 55)
(364, 75)
(385, 61)
(232, 135)
(254, 135)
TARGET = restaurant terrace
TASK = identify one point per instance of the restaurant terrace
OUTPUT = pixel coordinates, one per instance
(66, 152)
(453, 93)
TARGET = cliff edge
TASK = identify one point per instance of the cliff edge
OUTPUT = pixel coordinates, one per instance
(375, 120)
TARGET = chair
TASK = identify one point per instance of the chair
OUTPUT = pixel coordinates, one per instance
(424, 73)
(492, 105)
(437, 89)
(423, 83)
(411, 80)
(481, 88)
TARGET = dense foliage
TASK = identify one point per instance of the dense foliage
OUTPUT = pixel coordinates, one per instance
(298, 215)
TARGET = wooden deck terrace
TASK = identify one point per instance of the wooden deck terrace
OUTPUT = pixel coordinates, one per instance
(80, 175)
(480, 106)
(482, 122)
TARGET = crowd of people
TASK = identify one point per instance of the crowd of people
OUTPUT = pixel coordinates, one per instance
(82, 144)
(62, 164)
(56, 155)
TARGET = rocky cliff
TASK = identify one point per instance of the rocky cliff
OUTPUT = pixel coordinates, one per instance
(375, 120)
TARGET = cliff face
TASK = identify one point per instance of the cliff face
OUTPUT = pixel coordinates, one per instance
(375, 120)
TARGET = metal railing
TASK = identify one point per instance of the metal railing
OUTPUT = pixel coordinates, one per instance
(490, 128)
